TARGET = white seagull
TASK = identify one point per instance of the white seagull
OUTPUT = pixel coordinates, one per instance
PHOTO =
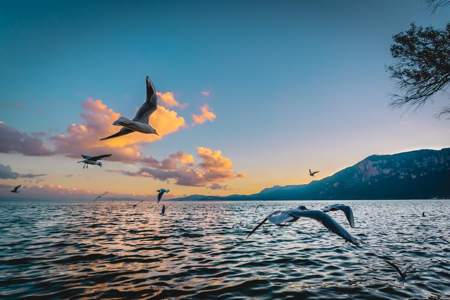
(345, 208)
(291, 215)
(92, 160)
(140, 120)
(161, 192)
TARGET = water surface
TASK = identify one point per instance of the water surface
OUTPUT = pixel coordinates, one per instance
(59, 249)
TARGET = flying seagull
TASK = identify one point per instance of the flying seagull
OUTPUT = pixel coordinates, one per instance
(400, 272)
(161, 192)
(92, 160)
(16, 189)
(345, 208)
(134, 205)
(312, 173)
(140, 120)
(99, 196)
(258, 206)
(163, 210)
(291, 215)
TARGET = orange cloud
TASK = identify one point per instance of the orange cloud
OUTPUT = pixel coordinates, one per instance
(168, 98)
(206, 115)
(180, 167)
(97, 122)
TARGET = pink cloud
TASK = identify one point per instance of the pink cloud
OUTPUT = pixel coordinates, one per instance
(205, 115)
(13, 141)
(180, 167)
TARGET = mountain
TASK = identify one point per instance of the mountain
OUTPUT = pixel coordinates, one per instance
(420, 174)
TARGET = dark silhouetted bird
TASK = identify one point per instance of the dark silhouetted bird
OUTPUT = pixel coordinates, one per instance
(311, 173)
(16, 189)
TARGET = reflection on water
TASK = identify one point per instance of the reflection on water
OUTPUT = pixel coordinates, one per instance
(198, 250)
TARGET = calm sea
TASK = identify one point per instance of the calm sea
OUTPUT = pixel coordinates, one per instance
(59, 249)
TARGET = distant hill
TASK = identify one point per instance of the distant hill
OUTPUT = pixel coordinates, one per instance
(420, 174)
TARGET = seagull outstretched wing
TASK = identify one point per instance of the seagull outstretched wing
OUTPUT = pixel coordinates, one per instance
(326, 221)
(96, 157)
(345, 208)
(149, 105)
(122, 131)
(257, 226)
(16, 188)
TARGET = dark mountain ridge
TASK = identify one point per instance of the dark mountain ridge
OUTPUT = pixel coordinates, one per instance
(419, 174)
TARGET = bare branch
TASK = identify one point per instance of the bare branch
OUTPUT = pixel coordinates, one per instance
(423, 64)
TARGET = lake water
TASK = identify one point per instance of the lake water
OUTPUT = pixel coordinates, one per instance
(198, 251)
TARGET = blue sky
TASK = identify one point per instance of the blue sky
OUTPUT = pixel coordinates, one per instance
(294, 84)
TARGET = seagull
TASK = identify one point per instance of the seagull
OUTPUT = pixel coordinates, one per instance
(140, 120)
(161, 192)
(163, 210)
(311, 173)
(291, 215)
(16, 189)
(92, 160)
(99, 196)
(400, 272)
(345, 208)
(258, 206)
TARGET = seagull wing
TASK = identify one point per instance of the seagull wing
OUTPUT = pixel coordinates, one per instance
(403, 275)
(326, 221)
(160, 194)
(86, 156)
(345, 208)
(149, 105)
(257, 226)
(349, 215)
(122, 131)
(99, 156)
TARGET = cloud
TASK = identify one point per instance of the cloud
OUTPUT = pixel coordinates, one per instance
(96, 122)
(206, 115)
(7, 173)
(97, 119)
(13, 141)
(177, 160)
(205, 93)
(218, 186)
(168, 98)
(182, 169)
(46, 191)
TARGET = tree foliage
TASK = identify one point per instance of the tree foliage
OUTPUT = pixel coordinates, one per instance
(422, 66)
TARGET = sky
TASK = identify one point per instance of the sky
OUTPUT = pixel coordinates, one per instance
(251, 93)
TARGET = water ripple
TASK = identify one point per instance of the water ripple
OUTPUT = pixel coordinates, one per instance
(198, 251)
